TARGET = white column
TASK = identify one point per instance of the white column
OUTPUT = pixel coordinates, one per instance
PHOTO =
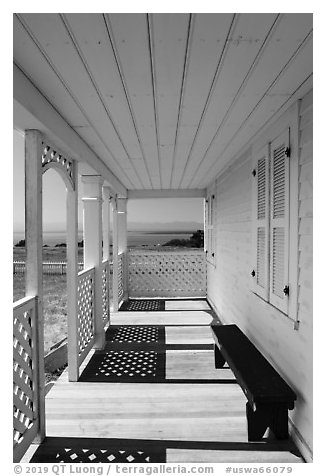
(106, 237)
(92, 222)
(72, 279)
(34, 269)
(122, 236)
(115, 243)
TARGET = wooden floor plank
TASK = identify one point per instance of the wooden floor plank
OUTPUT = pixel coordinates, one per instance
(182, 305)
(188, 335)
(164, 318)
(194, 364)
(193, 422)
(222, 456)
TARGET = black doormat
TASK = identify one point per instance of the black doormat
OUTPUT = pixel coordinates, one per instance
(98, 450)
(143, 305)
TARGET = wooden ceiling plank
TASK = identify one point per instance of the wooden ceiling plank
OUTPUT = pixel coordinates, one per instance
(90, 137)
(44, 49)
(90, 34)
(170, 35)
(126, 93)
(167, 193)
(277, 54)
(155, 97)
(154, 89)
(131, 39)
(28, 57)
(100, 97)
(29, 97)
(245, 49)
(208, 42)
(56, 44)
(276, 98)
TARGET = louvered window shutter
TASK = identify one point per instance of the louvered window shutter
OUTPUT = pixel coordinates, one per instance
(209, 231)
(279, 223)
(213, 224)
(260, 273)
(206, 223)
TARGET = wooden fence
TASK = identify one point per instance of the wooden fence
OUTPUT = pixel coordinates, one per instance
(49, 267)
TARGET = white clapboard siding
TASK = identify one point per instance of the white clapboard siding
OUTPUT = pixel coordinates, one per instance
(229, 285)
(260, 221)
(279, 224)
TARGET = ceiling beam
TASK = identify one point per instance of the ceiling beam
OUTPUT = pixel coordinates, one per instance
(168, 193)
(52, 124)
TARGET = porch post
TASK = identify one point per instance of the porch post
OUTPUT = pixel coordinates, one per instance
(115, 239)
(92, 223)
(122, 233)
(72, 279)
(106, 239)
(34, 268)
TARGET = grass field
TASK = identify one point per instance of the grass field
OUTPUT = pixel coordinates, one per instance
(49, 253)
(54, 294)
(54, 306)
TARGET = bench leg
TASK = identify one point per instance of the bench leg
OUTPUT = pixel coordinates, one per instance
(279, 423)
(257, 422)
(274, 417)
(219, 359)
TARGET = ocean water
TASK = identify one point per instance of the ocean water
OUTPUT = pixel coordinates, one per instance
(134, 238)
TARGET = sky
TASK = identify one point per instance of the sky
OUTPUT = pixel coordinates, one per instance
(155, 213)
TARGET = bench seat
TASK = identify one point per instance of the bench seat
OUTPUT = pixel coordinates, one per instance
(269, 396)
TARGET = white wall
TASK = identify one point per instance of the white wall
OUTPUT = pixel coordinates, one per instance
(229, 281)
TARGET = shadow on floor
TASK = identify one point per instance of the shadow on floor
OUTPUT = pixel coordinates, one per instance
(143, 305)
(137, 354)
(114, 450)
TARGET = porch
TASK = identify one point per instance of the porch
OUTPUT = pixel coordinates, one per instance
(138, 106)
(183, 411)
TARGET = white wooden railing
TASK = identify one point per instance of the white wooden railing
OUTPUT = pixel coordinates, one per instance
(167, 273)
(105, 291)
(86, 299)
(49, 267)
(25, 375)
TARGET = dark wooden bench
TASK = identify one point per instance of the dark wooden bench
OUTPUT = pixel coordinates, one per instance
(269, 396)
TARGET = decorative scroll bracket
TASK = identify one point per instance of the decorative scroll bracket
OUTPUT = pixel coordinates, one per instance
(52, 157)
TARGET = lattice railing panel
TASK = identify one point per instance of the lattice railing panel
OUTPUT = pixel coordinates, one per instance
(121, 258)
(167, 274)
(24, 375)
(105, 291)
(86, 298)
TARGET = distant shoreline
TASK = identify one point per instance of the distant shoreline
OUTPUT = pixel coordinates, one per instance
(136, 239)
